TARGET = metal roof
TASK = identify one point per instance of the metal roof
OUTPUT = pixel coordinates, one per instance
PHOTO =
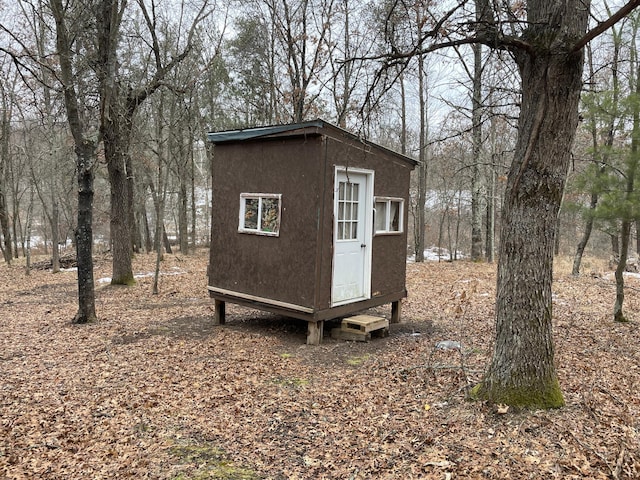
(312, 127)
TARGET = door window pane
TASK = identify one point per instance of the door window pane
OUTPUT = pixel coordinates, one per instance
(347, 211)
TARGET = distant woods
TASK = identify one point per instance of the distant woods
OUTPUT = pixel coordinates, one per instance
(114, 99)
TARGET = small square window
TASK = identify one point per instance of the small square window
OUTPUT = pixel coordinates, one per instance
(389, 213)
(260, 213)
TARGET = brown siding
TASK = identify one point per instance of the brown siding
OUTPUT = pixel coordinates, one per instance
(279, 268)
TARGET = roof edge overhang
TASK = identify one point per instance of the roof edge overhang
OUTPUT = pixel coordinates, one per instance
(312, 127)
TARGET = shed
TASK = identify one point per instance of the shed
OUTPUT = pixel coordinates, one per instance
(308, 221)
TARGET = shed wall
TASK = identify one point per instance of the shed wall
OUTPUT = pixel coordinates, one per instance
(280, 268)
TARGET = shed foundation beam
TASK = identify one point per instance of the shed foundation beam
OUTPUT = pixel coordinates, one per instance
(315, 331)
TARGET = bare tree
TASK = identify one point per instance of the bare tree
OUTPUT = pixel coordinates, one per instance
(69, 43)
(120, 101)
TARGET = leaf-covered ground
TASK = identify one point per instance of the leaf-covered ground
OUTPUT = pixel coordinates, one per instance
(154, 390)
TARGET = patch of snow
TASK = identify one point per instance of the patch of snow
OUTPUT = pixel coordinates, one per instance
(448, 345)
(435, 254)
(144, 275)
(612, 275)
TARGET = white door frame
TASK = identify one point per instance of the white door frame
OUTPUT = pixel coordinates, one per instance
(368, 231)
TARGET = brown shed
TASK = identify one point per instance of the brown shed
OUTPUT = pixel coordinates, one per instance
(308, 221)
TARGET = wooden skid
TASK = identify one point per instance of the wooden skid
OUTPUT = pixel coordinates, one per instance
(364, 324)
(351, 336)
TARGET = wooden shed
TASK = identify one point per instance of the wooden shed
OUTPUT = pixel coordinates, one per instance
(308, 221)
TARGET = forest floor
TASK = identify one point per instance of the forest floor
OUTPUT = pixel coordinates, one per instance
(154, 390)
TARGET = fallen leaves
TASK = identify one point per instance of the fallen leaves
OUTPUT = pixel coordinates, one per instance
(155, 391)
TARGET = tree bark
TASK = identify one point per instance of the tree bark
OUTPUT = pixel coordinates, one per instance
(55, 237)
(85, 155)
(618, 314)
(522, 371)
(116, 146)
(116, 124)
(84, 235)
(419, 240)
(476, 125)
(582, 244)
(7, 251)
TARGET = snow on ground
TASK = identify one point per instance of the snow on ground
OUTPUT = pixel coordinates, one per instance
(436, 254)
(612, 275)
(176, 271)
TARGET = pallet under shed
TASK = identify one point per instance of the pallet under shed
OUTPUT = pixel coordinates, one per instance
(360, 328)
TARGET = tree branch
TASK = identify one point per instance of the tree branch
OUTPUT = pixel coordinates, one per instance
(603, 26)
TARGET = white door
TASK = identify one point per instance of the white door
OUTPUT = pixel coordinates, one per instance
(353, 207)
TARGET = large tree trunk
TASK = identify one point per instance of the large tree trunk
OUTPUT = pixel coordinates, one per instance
(85, 155)
(84, 237)
(116, 146)
(522, 371)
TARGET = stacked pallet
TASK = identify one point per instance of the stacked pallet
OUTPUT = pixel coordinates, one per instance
(360, 327)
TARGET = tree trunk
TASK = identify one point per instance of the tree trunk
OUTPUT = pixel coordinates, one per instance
(55, 237)
(183, 230)
(491, 214)
(476, 119)
(194, 211)
(85, 154)
(522, 371)
(4, 225)
(7, 251)
(131, 190)
(615, 242)
(29, 225)
(148, 242)
(84, 238)
(119, 222)
(618, 315)
(165, 239)
(588, 227)
(419, 241)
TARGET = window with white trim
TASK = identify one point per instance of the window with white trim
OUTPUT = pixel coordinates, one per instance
(347, 211)
(389, 213)
(260, 213)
